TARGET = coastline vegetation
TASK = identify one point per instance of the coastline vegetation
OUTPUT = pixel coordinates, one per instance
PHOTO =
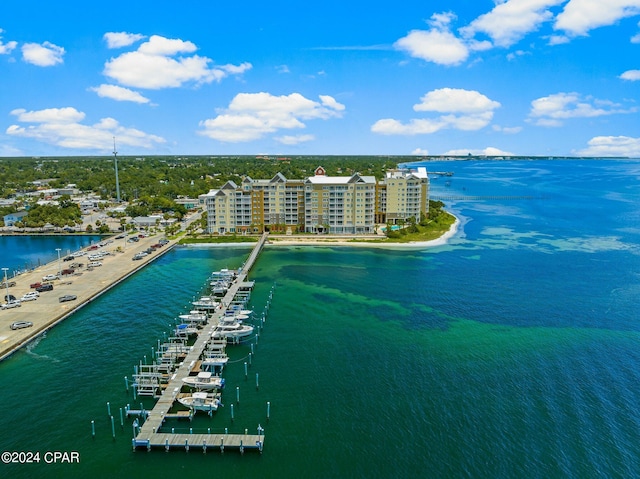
(431, 227)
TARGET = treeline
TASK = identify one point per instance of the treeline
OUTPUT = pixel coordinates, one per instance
(171, 177)
(67, 214)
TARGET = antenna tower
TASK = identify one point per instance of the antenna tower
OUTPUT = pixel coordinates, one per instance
(115, 159)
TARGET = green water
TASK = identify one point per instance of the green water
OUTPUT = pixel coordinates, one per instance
(511, 352)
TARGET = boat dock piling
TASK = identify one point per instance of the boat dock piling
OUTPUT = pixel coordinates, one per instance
(153, 380)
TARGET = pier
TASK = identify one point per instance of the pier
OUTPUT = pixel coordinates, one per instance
(484, 198)
(85, 283)
(149, 435)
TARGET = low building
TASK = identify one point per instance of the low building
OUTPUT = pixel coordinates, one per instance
(12, 218)
(147, 221)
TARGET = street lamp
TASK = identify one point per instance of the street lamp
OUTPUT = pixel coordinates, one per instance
(59, 268)
(6, 282)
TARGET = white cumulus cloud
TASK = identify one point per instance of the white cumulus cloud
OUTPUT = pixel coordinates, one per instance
(632, 75)
(155, 65)
(63, 127)
(459, 109)
(437, 45)
(119, 93)
(251, 116)
(121, 39)
(420, 152)
(612, 146)
(581, 16)
(511, 20)
(488, 151)
(553, 109)
(294, 139)
(6, 48)
(43, 55)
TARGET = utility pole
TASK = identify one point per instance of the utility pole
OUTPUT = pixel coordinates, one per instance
(115, 159)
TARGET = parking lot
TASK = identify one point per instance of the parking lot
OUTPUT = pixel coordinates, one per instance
(84, 283)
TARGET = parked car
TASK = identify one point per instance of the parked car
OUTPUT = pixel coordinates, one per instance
(69, 258)
(50, 277)
(67, 297)
(35, 285)
(9, 297)
(94, 264)
(30, 296)
(10, 285)
(44, 287)
(10, 304)
(68, 271)
(21, 324)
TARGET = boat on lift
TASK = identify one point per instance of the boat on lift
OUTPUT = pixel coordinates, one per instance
(201, 401)
(204, 380)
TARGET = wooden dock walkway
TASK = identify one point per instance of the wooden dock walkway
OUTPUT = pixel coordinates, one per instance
(149, 435)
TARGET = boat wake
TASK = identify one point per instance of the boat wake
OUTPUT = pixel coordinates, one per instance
(31, 346)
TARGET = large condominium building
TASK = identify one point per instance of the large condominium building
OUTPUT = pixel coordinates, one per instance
(402, 195)
(317, 204)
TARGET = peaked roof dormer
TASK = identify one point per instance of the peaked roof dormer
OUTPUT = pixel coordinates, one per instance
(279, 178)
(320, 171)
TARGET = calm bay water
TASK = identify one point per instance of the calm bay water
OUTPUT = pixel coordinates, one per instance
(25, 252)
(510, 352)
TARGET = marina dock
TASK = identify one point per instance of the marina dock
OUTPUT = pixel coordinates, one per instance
(86, 284)
(149, 435)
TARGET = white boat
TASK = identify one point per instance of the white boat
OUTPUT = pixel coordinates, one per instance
(238, 317)
(201, 401)
(194, 316)
(223, 275)
(186, 330)
(206, 303)
(219, 287)
(204, 380)
(231, 328)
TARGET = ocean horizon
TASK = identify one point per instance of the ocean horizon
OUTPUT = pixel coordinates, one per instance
(510, 351)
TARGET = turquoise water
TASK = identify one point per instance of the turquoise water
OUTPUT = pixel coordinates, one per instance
(510, 352)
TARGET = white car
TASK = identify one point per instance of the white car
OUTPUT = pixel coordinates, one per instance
(10, 304)
(28, 297)
(94, 264)
(50, 277)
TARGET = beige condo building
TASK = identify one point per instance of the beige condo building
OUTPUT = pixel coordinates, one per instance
(317, 204)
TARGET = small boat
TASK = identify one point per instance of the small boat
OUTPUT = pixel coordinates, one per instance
(204, 380)
(206, 303)
(223, 275)
(230, 328)
(201, 401)
(186, 330)
(219, 287)
(194, 316)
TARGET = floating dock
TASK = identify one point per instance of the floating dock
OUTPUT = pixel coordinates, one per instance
(149, 435)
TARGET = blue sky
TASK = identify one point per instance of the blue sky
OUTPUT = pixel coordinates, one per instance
(521, 77)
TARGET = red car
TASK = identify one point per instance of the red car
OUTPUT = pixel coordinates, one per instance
(35, 285)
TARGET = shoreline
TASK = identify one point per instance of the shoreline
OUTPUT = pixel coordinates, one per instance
(341, 241)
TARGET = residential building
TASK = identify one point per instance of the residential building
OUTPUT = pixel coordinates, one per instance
(402, 195)
(12, 218)
(318, 204)
(339, 204)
